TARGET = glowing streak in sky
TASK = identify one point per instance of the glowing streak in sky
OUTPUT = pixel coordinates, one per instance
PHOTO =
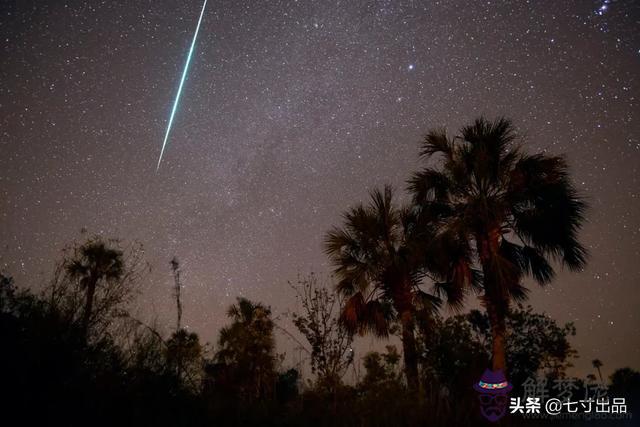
(184, 76)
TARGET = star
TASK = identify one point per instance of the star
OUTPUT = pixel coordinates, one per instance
(603, 8)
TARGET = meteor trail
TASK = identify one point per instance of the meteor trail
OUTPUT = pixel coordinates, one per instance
(184, 75)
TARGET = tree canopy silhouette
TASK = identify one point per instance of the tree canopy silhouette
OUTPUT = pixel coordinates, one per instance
(94, 263)
(495, 208)
(378, 260)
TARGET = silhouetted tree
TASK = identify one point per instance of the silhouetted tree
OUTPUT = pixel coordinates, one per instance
(537, 343)
(510, 212)
(246, 358)
(597, 363)
(46, 362)
(378, 261)
(329, 342)
(177, 287)
(380, 368)
(287, 386)
(68, 293)
(452, 354)
(383, 399)
(184, 356)
(94, 263)
(625, 382)
(7, 292)
(625, 378)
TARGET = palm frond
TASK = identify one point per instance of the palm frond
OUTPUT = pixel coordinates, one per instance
(451, 293)
(547, 209)
(426, 301)
(493, 136)
(352, 311)
(429, 185)
(436, 142)
(376, 318)
(529, 260)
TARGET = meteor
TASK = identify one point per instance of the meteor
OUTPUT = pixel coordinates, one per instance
(184, 75)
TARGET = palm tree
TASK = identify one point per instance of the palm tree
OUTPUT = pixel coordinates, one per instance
(378, 262)
(496, 208)
(597, 363)
(94, 262)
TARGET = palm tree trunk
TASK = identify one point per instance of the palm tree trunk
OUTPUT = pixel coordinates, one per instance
(495, 303)
(88, 307)
(409, 350)
(498, 328)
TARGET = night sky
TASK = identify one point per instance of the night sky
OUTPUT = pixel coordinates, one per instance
(291, 112)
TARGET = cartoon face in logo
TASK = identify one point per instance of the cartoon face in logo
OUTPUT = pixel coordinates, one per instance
(493, 389)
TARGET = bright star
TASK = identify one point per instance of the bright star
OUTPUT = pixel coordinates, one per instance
(603, 8)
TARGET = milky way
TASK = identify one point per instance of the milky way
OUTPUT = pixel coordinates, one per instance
(295, 110)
